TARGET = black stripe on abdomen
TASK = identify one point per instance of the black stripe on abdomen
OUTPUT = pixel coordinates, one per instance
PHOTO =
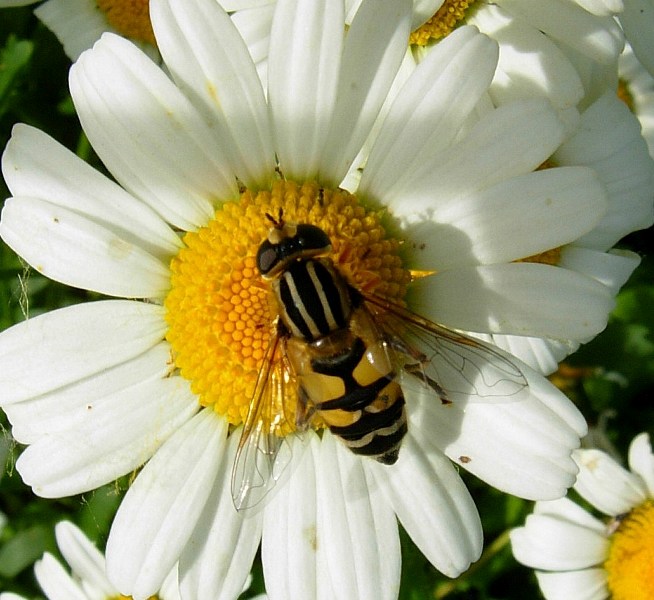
(376, 435)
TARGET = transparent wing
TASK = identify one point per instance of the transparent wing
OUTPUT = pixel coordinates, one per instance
(263, 452)
(455, 366)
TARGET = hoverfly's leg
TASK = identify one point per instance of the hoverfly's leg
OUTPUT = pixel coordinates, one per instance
(397, 344)
(416, 369)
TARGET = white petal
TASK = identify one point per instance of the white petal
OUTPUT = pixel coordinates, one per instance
(76, 23)
(609, 140)
(641, 460)
(290, 534)
(530, 64)
(543, 355)
(65, 408)
(357, 529)
(612, 269)
(522, 448)
(609, 120)
(69, 248)
(67, 345)
(255, 25)
(304, 62)
(429, 110)
(433, 505)
(170, 587)
(161, 508)
(35, 165)
(602, 7)
(606, 485)
(55, 581)
(637, 21)
(600, 38)
(587, 584)
(239, 5)
(114, 435)
(423, 10)
(511, 140)
(211, 64)
(86, 561)
(551, 543)
(566, 510)
(518, 298)
(373, 50)
(170, 159)
(519, 217)
(218, 557)
(12, 596)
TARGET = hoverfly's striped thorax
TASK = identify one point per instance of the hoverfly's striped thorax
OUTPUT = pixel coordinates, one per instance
(313, 298)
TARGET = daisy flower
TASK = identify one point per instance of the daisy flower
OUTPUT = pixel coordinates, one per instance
(78, 24)
(538, 56)
(580, 556)
(449, 216)
(88, 580)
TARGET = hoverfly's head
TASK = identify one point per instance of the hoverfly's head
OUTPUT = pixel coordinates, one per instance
(287, 242)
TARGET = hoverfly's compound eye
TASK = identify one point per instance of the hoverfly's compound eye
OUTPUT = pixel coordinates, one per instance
(288, 242)
(267, 257)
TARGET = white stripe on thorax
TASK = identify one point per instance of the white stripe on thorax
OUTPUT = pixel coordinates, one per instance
(297, 300)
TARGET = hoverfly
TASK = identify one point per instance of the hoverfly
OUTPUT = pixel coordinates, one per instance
(349, 356)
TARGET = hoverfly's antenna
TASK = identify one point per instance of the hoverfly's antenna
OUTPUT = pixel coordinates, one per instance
(281, 229)
(278, 223)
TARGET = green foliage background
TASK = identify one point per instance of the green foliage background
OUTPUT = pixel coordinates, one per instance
(615, 392)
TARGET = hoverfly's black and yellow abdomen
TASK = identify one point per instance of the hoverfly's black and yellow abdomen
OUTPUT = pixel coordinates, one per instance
(345, 377)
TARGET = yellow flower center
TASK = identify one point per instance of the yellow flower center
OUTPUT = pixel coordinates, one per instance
(549, 257)
(624, 94)
(447, 17)
(630, 565)
(220, 312)
(130, 18)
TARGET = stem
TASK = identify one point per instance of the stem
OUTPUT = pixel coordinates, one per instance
(83, 149)
(498, 544)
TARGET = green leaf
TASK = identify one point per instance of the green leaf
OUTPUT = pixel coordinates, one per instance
(14, 57)
(23, 549)
(98, 511)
